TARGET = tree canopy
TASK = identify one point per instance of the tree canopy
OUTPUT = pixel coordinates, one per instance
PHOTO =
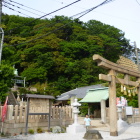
(59, 51)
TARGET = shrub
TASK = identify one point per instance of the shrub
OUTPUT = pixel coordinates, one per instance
(39, 130)
(63, 129)
(31, 131)
(2, 134)
(49, 130)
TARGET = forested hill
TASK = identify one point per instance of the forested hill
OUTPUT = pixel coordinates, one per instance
(57, 53)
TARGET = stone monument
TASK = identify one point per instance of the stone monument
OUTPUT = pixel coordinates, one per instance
(75, 127)
(93, 135)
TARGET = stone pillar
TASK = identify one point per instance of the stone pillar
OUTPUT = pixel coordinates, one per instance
(71, 102)
(10, 112)
(88, 110)
(112, 104)
(103, 111)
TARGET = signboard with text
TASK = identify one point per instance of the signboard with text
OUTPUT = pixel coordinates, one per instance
(129, 110)
(39, 105)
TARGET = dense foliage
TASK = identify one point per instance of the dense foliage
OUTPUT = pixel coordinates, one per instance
(58, 52)
(6, 74)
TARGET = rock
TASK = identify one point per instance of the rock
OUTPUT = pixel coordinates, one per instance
(92, 135)
(56, 129)
(63, 129)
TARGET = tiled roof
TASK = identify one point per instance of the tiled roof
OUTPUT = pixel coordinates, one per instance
(78, 92)
(96, 95)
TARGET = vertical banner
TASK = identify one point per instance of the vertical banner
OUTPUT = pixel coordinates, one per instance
(123, 101)
(4, 110)
(117, 100)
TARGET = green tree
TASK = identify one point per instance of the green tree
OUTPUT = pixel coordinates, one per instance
(6, 74)
(113, 40)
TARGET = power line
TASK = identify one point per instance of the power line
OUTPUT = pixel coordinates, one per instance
(41, 27)
(102, 13)
(15, 10)
(83, 14)
(45, 15)
(137, 2)
(53, 23)
(20, 8)
(26, 6)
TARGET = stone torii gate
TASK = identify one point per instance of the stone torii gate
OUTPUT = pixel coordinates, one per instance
(113, 69)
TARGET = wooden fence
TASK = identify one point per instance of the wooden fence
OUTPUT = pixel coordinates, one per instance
(60, 116)
(16, 119)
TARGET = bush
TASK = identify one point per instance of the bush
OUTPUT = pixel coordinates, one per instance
(63, 129)
(39, 130)
(49, 130)
(31, 131)
(2, 134)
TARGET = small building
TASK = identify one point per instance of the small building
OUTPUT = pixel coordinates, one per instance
(99, 98)
(95, 95)
(75, 93)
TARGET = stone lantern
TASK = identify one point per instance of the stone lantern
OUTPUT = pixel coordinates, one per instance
(75, 127)
(121, 124)
(119, 110)
(76, 111)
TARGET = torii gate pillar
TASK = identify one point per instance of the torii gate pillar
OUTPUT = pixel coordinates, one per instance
(112, 105)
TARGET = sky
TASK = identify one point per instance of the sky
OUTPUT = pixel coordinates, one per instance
(122, 14)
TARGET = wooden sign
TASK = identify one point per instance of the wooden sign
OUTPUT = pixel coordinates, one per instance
(39, 105)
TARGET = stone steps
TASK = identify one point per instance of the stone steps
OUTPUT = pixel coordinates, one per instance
(11, 99)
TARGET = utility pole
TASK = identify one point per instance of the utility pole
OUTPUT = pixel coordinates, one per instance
(1, 36)
(1, 32)
(0, 11)
(137, 55)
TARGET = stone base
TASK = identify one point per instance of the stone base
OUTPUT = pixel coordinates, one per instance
(114, 133)
(75, 128)
(92, 135)
(121, 124)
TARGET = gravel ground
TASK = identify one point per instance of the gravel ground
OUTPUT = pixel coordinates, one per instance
(131, 132)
